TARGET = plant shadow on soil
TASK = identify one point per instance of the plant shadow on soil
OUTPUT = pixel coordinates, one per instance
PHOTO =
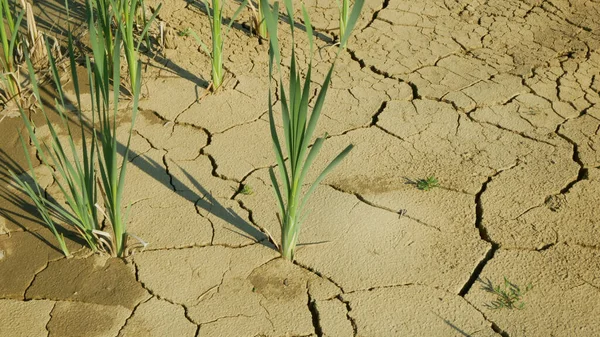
(23, 211)
(19, 211)
(200, 196)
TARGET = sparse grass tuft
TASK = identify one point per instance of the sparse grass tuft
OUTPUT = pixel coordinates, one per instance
(427, 183)
(508, 296)
(246, 190)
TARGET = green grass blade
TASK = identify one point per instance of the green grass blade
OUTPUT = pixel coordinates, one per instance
(271, 19)
(323, 174)
(309, 30)
(352, 20)
(316, 112)
(277, 191)
(236, 14)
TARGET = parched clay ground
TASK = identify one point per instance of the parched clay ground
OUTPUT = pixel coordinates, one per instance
(498, 99)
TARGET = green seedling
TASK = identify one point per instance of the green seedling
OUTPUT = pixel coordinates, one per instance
(215, 17)
(298, 126)
(427, 184)
(246, 190)
(508, 296)
(185, 32)
(71, 168)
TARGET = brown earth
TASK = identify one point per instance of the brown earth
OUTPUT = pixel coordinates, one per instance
(499, 99)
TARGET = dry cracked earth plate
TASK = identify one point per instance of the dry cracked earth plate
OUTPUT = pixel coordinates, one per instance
(498, 99)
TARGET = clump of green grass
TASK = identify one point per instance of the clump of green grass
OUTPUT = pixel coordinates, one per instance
(75, 168)
(215, 17)
(427, 183)
(298, 126)
(508, 296)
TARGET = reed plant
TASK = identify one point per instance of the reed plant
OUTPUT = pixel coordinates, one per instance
(109, 16)
(93, 169)
(106, 74)
(72, 169)
(298, 126)
(215, 17)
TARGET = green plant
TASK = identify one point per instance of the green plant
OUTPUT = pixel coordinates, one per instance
(298, 126)
(74, 170)
(9, 38)
(246, 189)
(112, 171)
(122, 16)
(427, 183)
(215, 17)
(185, 32)
(509, 296)
(258, 20)
(345, 10)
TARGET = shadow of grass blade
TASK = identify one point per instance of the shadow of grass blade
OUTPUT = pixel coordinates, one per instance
(37, 197)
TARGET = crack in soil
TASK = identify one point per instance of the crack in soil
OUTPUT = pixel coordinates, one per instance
(483, 234)
(348, 317)
(384, 5)
(132, 313)
(50, 319)
(583, 171)
(312, 307)
(143, 285)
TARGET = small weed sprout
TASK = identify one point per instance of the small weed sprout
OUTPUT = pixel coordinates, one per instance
(508, 296)
(185, 32)
(427, 183)
(246, 190)
(298, 125)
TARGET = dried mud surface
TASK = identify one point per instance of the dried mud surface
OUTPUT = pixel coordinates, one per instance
(498, 99)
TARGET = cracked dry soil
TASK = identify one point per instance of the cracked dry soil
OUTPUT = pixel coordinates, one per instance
(498, 99)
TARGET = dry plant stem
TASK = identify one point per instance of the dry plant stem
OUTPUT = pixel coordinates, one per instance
(298, 127)
(260, 26)
(35, 41)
